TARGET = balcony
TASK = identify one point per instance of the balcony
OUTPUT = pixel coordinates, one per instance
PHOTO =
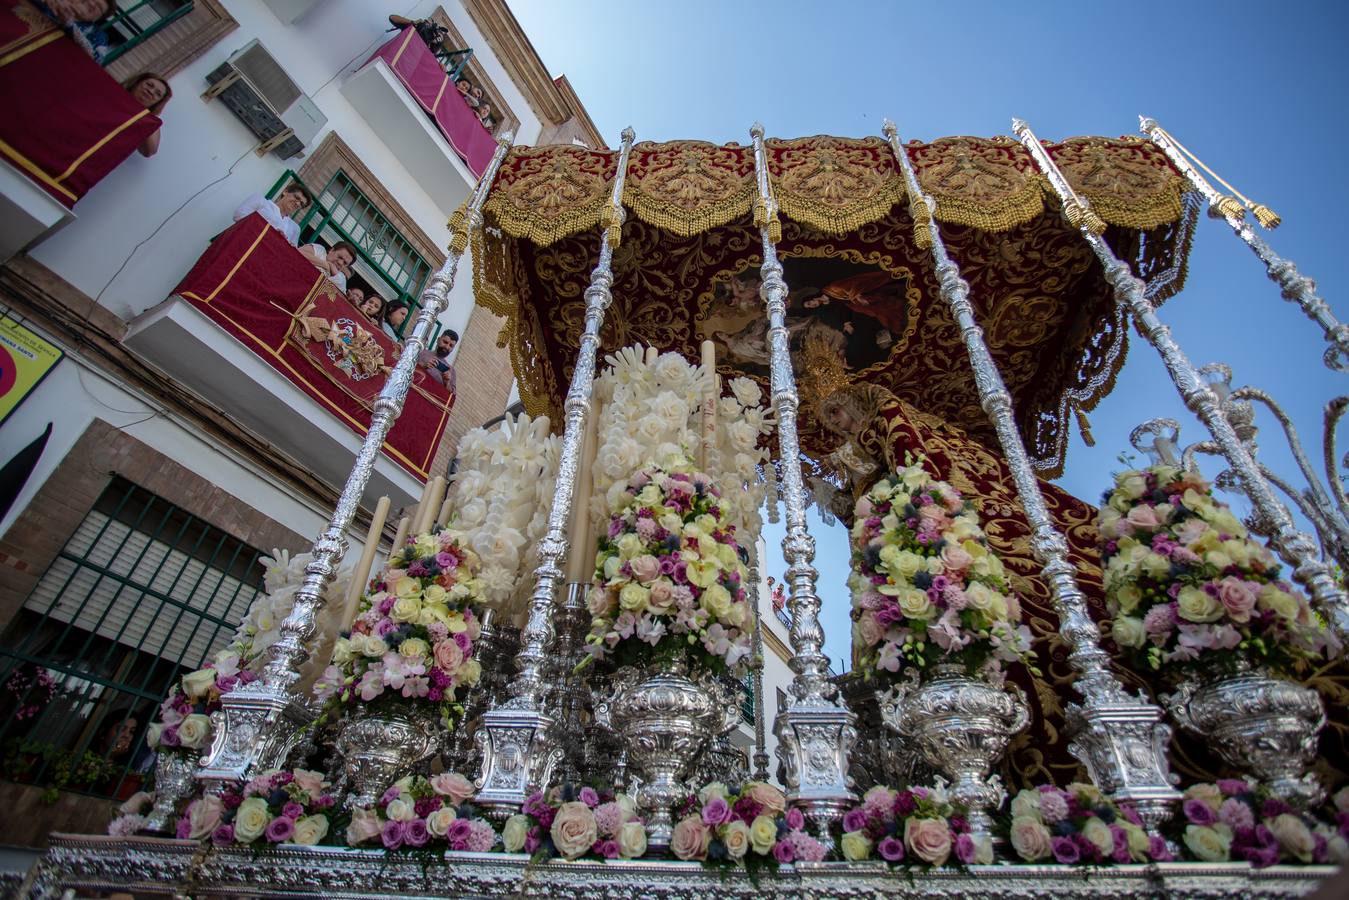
(403, 92)
(67, 124)
(257, 330)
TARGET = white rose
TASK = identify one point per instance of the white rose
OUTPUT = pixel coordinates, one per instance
(250, 820)
(438, 823)
(400, 810)
(197, 684)
(513, 833)
(194, 730)
(632, 840)
(747, 392)
(309, 830)
(1128, 631)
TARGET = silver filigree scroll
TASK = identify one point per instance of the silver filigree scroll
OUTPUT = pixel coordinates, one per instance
(380, 746)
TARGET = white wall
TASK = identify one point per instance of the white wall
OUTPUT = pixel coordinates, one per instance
(140, 229)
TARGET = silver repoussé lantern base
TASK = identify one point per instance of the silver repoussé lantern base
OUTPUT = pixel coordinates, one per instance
(663, 720)
(174, 781)
(1260, 725)
(962, 725)
(380, 746)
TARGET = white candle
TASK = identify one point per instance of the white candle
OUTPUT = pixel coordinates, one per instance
(709, 435)
(430, 506)
(404, 524)
(421, 505)
(361, 576)
(652, 354)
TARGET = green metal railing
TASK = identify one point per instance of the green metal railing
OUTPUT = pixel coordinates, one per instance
(141, 592)
(136, 21)
(747, 699)
(454, 60)
(342, 210)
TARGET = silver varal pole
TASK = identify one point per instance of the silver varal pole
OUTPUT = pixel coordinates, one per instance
(815, 732)
(260, 721)
(1296, 549)
(518, 754)
(1297, 287)
(760, 745)
(1120, 738)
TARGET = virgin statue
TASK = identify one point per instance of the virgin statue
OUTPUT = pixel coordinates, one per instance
(880, 431)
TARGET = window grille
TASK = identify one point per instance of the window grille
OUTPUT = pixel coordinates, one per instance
(130, 22)
(747, 698)
(140, 594)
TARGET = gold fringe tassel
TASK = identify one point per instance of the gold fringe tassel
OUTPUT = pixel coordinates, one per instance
(762, 217)
(613, 226)
(1084, 425)
(1267, 217)
(1231, 206)
(1080, 216)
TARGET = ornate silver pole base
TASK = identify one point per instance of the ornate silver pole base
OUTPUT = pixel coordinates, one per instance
(254, 731)
(173, 783)
(814, 743)
(1123, 746)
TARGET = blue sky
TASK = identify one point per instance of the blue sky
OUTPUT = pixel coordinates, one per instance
(1258, 90)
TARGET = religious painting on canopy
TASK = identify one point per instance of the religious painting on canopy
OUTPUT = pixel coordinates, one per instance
(861, 312)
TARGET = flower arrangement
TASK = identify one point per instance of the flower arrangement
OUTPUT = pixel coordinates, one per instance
(412, 639)
(502, 492)
(131, 817)
(1186, 585)
(911, 827)
(650, 413)
(418, 812)
(32, 687)
(748, 826)
(1236, 819)
(570, 823)
(184, 721)
(670, 578)
(925, 586)
(1079, 825)
(272, 808)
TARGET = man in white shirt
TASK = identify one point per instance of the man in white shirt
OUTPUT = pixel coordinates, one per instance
(279, 214)
(335, 261)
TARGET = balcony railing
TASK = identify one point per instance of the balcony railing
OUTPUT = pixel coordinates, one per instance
(67, 123)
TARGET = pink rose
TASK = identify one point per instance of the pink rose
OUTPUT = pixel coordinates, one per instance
(597, 602)
(204, 816)
(1030, 839)
(767, 796)
(1142, 517)
(928, 839)
(645, 568)
(662, 596)
(449, 656)
(1237, 598)
(452, 785)
(364, 827)
(310, 782)
(474, 629)
(574, 829)
(868, 629)
(864, 508)
(691, 838)
(955, 558)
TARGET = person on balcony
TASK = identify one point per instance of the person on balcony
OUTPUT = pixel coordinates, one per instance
(436, 363)
(485, 116)
(355, 296)
(464, 87)
(335, 262)
(372, 307)
(394, 316)
(474, 97)
(278, 214)
(153, 92)
(80, 19)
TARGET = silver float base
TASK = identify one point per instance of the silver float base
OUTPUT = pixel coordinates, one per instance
(160, 867)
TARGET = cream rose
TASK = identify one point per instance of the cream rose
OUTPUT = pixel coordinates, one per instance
(1128, 631)
(691, 837)
(716, 600)
(250, 820)
(469, 673)
(514, 832)
(401, 809)
(439, 822)
(1099, 834)
(855, 845)
(763, 834)
(194, 731)
(309, 830)
(1294, 836)
(736, 838)
(1026, 805)
(915, 604)
(1195, 605)
(204, 816)
(928, 839)
(645, 568)
(364, 827)
(406, 609)
(1030, 839)
(414, 649)
(633, 597)
(631, 840)
(199, 683)
(1208, 793)
(1139, 843)
(574, 830)
(1209, 844)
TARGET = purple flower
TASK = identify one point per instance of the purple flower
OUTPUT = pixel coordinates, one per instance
(389, 796)
(746, 809)
(854, 820)
(184, 829)
(589, 797)
(1273, 807)
(782, 851)
(425, 806)
(905, 803)
(386, 606)
(446, 560)
(1065, 850)
(280, 829)
(458, 834)
(223, 834)
(292, 810)
(1233, 787)
(1158, 850)
(392, 835)
(1261, 857)
(716, 811)
(1130, 814)
(385, 626)
(169, 736)
(1235, 813)
(1199, 812)
(1121, 854)
(415, 833)
(532, 841)
(796, 820)
(464, 642)
(965, 849)
(608, 848)
(890, 848)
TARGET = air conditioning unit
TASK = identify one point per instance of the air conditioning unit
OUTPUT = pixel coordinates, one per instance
(257, 90)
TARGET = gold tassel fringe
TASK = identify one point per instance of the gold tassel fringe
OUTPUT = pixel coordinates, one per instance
(1230, 206)
(1084, 425)
(1267, 217)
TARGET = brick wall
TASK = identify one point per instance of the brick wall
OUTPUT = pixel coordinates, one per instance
(483, 379)
(39, 533)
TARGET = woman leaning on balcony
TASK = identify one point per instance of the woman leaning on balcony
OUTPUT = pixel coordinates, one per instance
(153, 92)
